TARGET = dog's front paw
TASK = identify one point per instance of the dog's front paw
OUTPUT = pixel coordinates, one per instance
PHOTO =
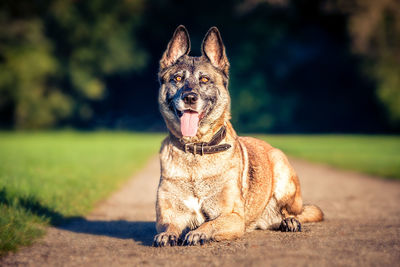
(165, 239)
(194, 238)
(290, 225)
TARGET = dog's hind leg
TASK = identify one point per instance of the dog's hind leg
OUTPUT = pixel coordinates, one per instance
(291, 211)
(295, 213)
(288, 195)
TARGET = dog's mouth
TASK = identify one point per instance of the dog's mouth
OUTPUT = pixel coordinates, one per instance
(190, 120)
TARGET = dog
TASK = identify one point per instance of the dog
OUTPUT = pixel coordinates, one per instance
(215, 185)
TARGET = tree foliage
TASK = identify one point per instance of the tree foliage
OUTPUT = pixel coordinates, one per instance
(296, 66)
(375, 30)
(55, 56)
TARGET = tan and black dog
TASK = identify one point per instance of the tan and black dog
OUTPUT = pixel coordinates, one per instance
(215, 185)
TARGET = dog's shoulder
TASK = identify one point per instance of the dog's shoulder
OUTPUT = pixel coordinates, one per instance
(260, 152)
(256, 147)
(258, 157)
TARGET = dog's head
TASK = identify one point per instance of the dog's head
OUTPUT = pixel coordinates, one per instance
(193, 97)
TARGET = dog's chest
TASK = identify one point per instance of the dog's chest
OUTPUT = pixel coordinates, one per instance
(195, 182)
(178, 165)
(197, 197)
(202, 209)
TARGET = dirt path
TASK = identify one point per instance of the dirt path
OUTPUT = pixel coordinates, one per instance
(362, 227)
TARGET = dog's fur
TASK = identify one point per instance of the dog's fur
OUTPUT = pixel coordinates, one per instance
(217, 196)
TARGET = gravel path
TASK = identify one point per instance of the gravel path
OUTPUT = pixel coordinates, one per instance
(362, 228)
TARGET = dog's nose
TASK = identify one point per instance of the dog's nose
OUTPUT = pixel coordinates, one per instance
(190, 98)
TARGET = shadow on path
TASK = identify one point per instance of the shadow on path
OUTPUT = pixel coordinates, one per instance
(139, 231)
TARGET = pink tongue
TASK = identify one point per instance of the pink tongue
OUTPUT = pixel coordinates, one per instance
(189, 123)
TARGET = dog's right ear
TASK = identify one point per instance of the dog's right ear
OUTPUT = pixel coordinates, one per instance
(177, 47)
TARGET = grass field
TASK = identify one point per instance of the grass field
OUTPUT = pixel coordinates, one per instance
(50, 177)
(373, 154)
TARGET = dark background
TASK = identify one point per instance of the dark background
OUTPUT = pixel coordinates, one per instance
(313, 66)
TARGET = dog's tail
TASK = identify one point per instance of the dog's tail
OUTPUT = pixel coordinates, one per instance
(310, 213)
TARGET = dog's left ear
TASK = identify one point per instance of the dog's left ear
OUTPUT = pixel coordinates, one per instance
(177, 47)
(213, 48)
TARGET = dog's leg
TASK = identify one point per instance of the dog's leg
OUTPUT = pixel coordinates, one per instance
(169, 236)
(291, 222)
(169, 222)
(225, 227)
(173, 217)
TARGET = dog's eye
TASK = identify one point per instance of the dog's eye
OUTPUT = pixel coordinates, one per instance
(178, 78)
(204, 79)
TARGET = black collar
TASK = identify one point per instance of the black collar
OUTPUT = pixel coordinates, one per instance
(203, 148)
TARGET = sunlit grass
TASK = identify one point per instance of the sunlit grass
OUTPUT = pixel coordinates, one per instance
(49, 177)
(372, 154)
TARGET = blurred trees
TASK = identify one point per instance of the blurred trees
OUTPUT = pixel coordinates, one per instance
(296, 66)
(55, 55)
(375, 30)
(27, 64)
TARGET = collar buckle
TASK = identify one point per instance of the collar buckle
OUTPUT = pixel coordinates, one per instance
(186, 147)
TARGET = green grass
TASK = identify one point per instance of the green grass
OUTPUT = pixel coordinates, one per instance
(48, 177)
(372, 154)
